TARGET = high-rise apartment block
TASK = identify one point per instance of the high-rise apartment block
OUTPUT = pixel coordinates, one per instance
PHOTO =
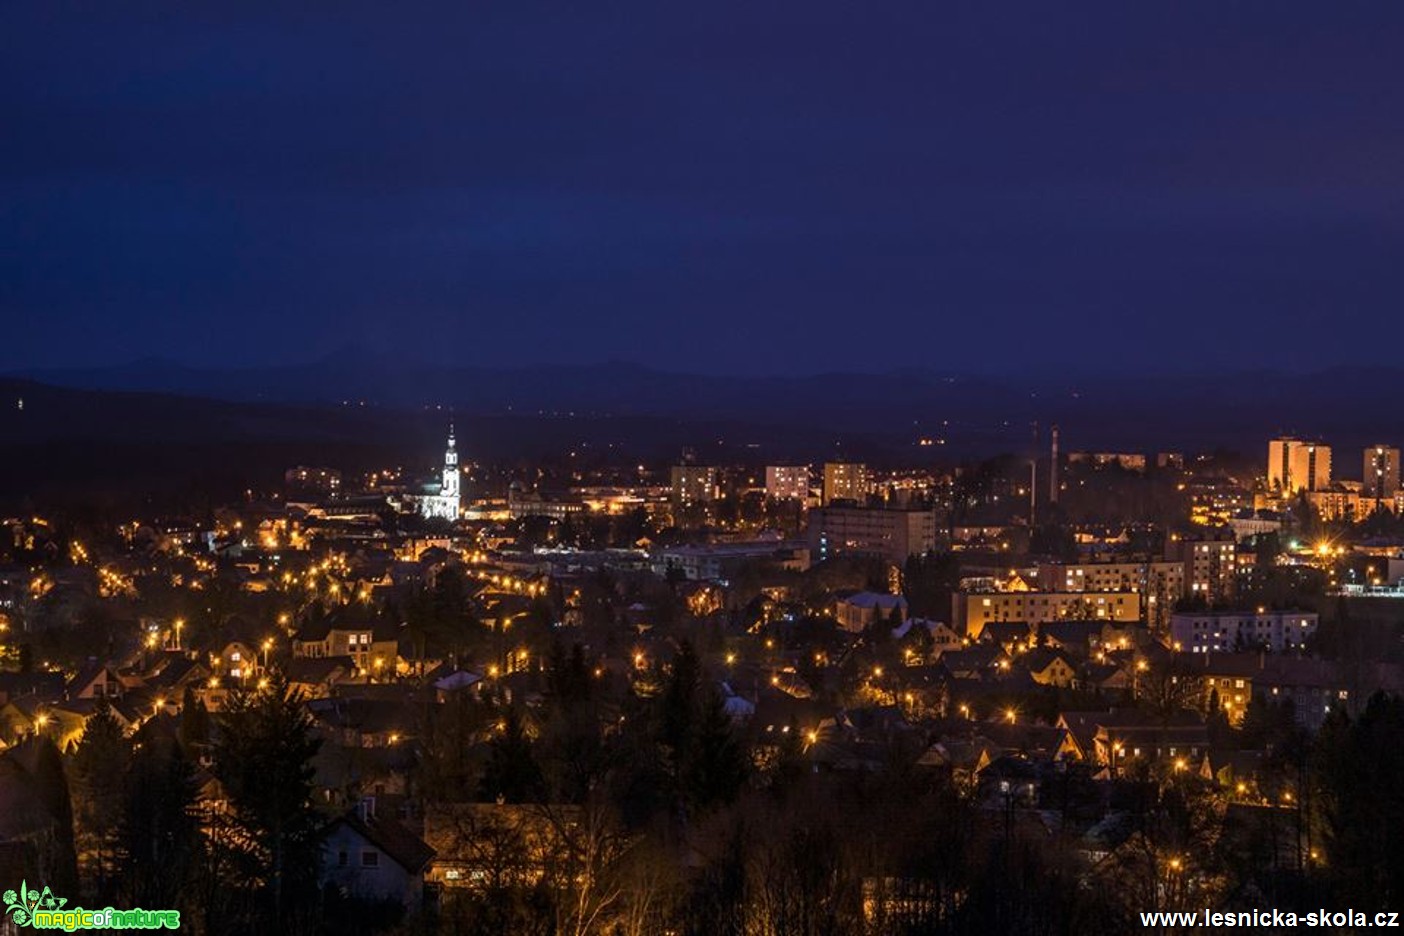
(1381, 475)
(846, 481)
(892, 534)
(1294, 465)
(787, 482)
(694, 484)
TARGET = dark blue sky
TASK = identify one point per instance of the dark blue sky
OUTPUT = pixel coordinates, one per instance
(725, 187)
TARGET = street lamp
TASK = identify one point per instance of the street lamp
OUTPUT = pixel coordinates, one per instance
(267, 645)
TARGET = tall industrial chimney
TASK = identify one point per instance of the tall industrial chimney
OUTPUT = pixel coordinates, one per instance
(1053, 469)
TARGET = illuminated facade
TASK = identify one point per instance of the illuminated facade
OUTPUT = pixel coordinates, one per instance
(694, 484)
(846, 481)
(891, 534)
(446, 503)
(971, 611)
(1294, 465)
(787, 482)
(1217, 631)
(1154, 577)
(1127, 461)
(1211, 564)
(1381, 475)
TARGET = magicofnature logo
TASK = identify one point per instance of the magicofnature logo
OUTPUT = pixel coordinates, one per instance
(42, 910)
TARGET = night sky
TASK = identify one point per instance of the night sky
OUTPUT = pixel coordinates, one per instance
(719, 187)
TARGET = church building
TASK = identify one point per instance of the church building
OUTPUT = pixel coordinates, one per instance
(445, 504)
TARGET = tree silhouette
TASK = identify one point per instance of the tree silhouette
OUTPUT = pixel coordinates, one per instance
(512, 774)
(98, 769)
(159, 835)
(263, 757)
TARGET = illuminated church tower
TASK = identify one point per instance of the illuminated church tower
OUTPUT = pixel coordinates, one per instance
(450, 487)
(445, 505)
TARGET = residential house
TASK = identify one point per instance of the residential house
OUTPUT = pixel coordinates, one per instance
(1050, 668)
(374, 857)
(858, 612)
(373, 646)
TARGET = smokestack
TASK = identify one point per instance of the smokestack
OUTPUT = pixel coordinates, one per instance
(1033, 479)
(1053, 470)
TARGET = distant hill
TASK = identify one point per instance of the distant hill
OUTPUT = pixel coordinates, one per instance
(1346, 406)
(94, 445)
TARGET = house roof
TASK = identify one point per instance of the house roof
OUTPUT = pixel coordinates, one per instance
(368, 716)
(179, 668)
(313, 631)
(45, 685)
(1073, 633)
(1270, 669)
(1036, 661)
(875, 600)
(1082, 726)
(1005, 632)
(89, 674)
(317, 670)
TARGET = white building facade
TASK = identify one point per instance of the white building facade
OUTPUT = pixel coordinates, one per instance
(445, 505)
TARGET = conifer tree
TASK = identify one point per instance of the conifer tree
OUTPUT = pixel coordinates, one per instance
(98, 767)
(263, 757)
